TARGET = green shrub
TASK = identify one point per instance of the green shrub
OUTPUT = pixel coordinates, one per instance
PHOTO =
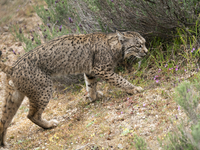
(151, 18)
(187, 95)
(140, 144)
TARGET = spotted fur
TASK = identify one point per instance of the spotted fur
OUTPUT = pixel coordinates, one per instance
(95, 55)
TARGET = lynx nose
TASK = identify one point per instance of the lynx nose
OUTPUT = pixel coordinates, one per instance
(145, 51)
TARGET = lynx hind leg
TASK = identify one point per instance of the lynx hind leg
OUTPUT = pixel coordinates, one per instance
(37, 106)
(13, 100)
(91, 84)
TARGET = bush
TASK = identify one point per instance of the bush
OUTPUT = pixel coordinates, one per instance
(59, 18)
(140, 144)
(187, 95)
(151, 18)
(67, 13)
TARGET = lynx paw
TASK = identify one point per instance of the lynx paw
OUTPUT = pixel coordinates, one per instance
(4, 146)
(139, 89)
(54, 123)
(135, 90)
(89, 99)
(99, 94)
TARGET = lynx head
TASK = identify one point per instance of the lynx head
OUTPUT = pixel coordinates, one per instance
(133, 44)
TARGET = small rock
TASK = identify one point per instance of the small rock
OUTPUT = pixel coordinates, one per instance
(108, 107)
(21, 20)
(5, 28)
(5, 33)
(118, 108)
(120, 146)
(10, 50)
(18, 44)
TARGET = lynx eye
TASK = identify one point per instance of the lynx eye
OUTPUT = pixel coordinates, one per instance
(140, 46)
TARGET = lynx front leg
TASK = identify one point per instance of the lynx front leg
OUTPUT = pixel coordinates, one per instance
(13, 100)
(116, 80)
(91, 84)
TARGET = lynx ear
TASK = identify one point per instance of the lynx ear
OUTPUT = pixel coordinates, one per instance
(120, 36)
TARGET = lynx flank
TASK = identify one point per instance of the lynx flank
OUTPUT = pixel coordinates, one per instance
(95, 55)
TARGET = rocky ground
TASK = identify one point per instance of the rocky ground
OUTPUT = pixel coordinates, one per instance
(109, 123)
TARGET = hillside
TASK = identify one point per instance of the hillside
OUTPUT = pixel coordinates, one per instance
(110, 122)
